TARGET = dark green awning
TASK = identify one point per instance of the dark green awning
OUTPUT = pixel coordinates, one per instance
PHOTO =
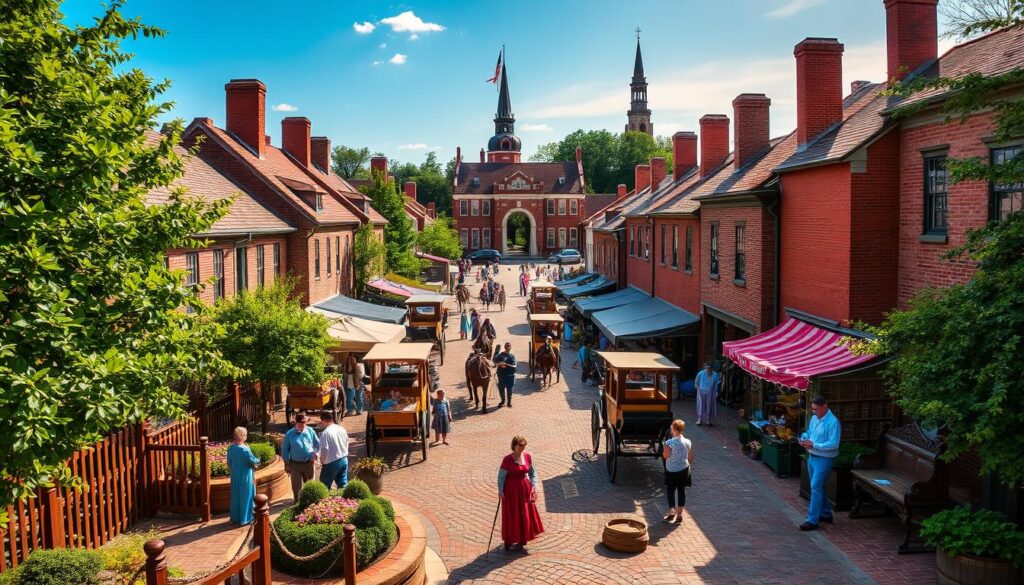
(651, 317)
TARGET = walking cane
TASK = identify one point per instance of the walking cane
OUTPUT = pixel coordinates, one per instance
(495, 523)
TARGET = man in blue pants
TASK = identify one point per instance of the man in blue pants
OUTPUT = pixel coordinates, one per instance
(822, 443)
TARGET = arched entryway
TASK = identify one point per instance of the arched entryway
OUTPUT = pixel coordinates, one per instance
(519, 229)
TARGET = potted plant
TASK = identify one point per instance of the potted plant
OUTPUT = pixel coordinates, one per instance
(975, 547)
(754, 448)
(839, 486)
(743, 431)
(371, 470)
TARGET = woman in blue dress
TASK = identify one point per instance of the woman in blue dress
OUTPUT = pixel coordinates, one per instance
(242, 462)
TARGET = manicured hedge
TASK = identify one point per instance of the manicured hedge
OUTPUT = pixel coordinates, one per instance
(57, 567)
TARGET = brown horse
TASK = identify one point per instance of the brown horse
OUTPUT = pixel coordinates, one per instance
(462, 296)
(479, 371)
(547, 362)
(484, 343)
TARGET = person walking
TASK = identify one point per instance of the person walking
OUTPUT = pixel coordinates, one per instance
(354, 398)
(474, 320)
(333, 452)
(522, 283)
(678, 455)
(241, 462)
(506, 363)
(707, 384)
(441, 417)
(821, 439)
(465, 326)
(517, 490)
(299, 450)
(488, 328)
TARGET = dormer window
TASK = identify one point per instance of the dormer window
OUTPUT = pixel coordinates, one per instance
(476, 181)
(561, 180)
(319, 202)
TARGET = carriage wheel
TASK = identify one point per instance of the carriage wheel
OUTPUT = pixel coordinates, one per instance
(425, 431)
(371, 439)
(595, 425)
(610, 451)
(532, 378)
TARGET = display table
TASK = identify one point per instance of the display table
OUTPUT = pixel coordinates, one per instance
(783, 457)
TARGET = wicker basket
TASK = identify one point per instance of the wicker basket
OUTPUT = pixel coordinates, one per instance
(625, 535)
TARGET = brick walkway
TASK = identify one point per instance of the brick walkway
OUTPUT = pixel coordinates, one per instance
(740, 525)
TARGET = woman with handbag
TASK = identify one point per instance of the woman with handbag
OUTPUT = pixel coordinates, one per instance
(678, 455)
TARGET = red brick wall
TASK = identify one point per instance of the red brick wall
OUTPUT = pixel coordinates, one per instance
(815, 240)
(302, 253)
(537, 208)
(920, 264)
(176, 260)
(751, 300)
(675, 284)
(608, 257)
(638, 268)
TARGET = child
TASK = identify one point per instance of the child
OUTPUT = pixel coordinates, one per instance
(442, 422)
(465, 327)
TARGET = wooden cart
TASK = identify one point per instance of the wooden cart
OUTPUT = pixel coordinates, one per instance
(542, 298)
(425, 321)
(541, 326)
(399, 407)
(311, 398)
(635, 409)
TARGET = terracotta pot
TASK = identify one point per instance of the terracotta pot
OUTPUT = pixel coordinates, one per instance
(374, 481)
(271, 481)
(971, 570)
(625, 535)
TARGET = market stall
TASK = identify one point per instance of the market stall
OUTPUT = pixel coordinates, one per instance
(339, 305)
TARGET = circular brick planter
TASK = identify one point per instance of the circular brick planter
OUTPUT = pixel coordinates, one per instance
(271, 481)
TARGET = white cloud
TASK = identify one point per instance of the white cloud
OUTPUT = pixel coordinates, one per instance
(535, 128)
(363, 28)
(419, 146)
(414, 37)
(382, 46)
(375, 63)
(410, 23)
(284, 108)
(793, 7)
(398, 59)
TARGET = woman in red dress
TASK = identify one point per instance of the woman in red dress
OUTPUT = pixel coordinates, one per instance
(517, 488)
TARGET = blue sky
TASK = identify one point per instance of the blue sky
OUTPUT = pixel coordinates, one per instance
(409, 77)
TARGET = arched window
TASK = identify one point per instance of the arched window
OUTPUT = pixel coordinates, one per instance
(506, 144)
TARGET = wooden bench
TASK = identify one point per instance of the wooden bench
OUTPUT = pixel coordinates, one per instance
(903, 475)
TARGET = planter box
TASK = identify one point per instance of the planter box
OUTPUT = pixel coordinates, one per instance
(838, 487)
(783, 457)
(968, 570)
(271, 481)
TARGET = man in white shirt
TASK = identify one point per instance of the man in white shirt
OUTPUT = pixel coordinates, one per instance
(333, 452)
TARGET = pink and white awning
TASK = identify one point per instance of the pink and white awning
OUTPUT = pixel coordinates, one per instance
(385, 285)
(793, 352)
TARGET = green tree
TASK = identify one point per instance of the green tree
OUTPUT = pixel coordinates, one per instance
(440, 239)
(350, 163)
(398, 233)
(964, 19)
(369, 258)
(435, 189)
(91, 335)
(430, 166)
(273, 340)
(608, 159)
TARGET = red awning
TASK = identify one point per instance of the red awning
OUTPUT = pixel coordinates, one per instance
(434, 258)
(793, 352)
(383, 284)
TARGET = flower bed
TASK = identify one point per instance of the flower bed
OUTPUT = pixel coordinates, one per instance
(271, 480)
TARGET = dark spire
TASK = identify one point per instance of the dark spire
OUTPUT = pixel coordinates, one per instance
(504, 102)
(638, 116)
(504, 138)
(638, 65)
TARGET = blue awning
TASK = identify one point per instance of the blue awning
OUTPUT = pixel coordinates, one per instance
(577, 280)
(651, 317)
(609, 301)
(347, 306)
(591, 288)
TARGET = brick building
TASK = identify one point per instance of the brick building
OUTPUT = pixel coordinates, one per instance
(548, 197)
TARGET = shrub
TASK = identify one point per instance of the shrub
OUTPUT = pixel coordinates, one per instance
(330, 510)
(981, 533)
(848, 453)
(265, 451)
(374, 465)
(124, 555)
(357, 490)
(61, 567)
(305, 540)
(369, 514)
(372, 542)
(312, 492)
(386, 504)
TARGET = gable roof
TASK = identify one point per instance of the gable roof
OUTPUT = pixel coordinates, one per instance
(355, 196)
(669, 189)
(490, 173)
(595, 202)
(284, 175)
(245, 215)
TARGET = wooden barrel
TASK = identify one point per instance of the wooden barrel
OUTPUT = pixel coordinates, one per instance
(625, 535)
(970, 570)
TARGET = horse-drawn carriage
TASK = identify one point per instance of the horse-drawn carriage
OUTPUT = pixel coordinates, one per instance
(426, 320)
(400, 386)
(542, 298)
(544, 357)
(312, 398)
(635, 409)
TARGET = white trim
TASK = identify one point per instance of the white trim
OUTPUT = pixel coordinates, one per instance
(502, 237)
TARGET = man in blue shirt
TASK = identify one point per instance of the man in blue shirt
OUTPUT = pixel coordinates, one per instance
(299, 450)
(822, 443)
(506, 363)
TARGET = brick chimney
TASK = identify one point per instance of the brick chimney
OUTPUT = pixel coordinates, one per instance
(247, 112)
(295, 138)
(641, 178)
(482, 155)
(750, 132)
(320, 152)
(911, 35)
(819, 87)
(432, 210)
(410, 189)
(684, 153)
(379, 163)
(714, 142)
(856, 85)
(620, 191)
(659, 169)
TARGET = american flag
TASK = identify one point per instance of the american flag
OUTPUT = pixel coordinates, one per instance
(497, 69)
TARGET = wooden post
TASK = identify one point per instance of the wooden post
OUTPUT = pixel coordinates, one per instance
(348, 554)
(144, 484)
(52, 518)
(204, 479)
(156, 563)
(261, 573)
(236, 405)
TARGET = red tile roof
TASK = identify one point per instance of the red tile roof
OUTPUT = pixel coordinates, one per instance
(354, 195)
(246, 215)
(490, 173)
(595, 202)
(669, 191)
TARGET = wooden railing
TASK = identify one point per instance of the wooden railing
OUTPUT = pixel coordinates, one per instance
(240, 407)
(258, 558)
(179, 479)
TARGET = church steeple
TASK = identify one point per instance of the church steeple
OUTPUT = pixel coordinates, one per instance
(639, 116)
(504, 146)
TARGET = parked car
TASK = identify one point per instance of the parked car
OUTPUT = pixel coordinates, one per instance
(482, 256)
(566, 256)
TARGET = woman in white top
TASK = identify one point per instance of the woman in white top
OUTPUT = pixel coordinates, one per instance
(678, 454)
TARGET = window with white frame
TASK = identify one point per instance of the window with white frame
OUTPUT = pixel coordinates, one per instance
(464, 237)
(632, 240)
(551, 237)
(475, 242)
(486, 208)
(573, 240)
(463, 208)
(551, 206)
(574, 207)
(562, 235)
(475, 207)
(561, 207)
(487, 238)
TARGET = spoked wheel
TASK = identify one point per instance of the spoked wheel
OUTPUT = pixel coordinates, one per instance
(532, 378)
(595, 425)
(425, 426)
(371, 439)
(610, 451)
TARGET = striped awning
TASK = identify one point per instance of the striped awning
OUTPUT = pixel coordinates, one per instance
(792, 353)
